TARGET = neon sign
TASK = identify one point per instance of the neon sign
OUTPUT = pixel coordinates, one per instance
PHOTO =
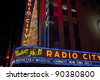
(63, 62)
(30, 37)
(27, 23)
(60, 54)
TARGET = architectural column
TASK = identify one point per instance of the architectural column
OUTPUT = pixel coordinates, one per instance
(60, 25)
(70, 21)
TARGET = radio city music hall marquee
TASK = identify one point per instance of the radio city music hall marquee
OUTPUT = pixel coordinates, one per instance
(50, 53)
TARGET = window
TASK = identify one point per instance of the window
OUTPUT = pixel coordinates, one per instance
(64, 7)
(73, 9)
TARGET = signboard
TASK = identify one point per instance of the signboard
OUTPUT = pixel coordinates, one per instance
(30, 33)
(27, 21)
(56, 53)
(42, 55)
(63, 62)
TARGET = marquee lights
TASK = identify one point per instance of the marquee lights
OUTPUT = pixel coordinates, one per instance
(63, 62)
(56, 53)
(42, 55)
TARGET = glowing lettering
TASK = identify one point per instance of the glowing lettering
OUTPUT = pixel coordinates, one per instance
(89, 57)
(28, 13)
(29, 8)
(85, 57)
(25, 41)
(75, 55)
(26, 30)
(16, 53)
(49, 53)
(29, 0)
(26, 35)
(39, 51)
(27, 20)
(93, 55)
(56, 55)
(29, 4)
(64, 54)
(35, 52)
(22, 52)
(98, 57)
(27, 23)
(69, 55)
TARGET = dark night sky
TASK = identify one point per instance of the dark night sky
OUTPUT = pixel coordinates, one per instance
(11, 22)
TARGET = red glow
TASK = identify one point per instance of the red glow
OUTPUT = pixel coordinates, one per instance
(55, 9)
(60, 10)
(55, 14)
(7, 57)
(43, 14)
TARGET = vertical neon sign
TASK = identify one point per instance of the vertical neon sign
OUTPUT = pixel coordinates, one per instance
(46, 24)
(47, 21)
(30, 36)
(27, 21)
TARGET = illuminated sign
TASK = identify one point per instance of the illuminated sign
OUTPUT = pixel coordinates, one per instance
(47, 14)
(30, 36)
(56, 53)
(63, 62)
(27, 22)
(28, 52)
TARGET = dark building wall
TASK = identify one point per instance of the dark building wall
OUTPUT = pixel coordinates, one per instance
(87, 20)
(81, 26)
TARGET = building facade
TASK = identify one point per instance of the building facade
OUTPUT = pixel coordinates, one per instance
(62, 24)
(67, 24)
